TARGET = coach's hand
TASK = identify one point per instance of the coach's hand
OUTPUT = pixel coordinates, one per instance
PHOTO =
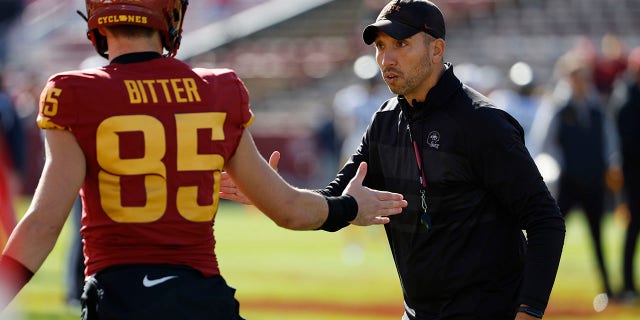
(229, 190)
(374, 206)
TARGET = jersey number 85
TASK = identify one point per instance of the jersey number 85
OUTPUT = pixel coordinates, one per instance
(154, 170)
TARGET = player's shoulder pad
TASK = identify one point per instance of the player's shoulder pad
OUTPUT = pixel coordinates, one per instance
(78, 75)
(220, 74)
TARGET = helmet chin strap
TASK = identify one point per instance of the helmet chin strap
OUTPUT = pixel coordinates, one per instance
(176, 33)
(94, 37)
(81, 14)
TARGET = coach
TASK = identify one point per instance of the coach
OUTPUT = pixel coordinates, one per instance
(472, 187)
(471, 184)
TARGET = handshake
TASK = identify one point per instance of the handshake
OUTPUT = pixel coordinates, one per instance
(359, 205)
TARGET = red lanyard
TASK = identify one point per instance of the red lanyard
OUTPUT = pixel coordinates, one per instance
(423, 180)
(425, 218)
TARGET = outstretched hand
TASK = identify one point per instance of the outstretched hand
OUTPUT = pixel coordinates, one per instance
(374, 206)
(229, 190)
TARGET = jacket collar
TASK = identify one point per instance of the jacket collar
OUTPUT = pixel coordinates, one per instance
(437, 97)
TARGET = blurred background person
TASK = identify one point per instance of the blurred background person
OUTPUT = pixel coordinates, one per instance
(520, 98)
(74, 272)
(626, 103)
(9, 11)
(13, 130)
(11, 161)
(580, 135)
(610, 64)
(7, 213)
(354, 106)
(26, 88)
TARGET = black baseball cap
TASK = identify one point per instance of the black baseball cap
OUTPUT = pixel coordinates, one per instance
(402, 19)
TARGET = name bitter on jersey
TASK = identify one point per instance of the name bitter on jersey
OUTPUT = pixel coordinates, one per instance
(181, 90)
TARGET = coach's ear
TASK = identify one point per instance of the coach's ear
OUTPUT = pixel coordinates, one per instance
(438, 47)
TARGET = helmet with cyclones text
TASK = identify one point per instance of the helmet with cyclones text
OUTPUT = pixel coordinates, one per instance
(163, 15)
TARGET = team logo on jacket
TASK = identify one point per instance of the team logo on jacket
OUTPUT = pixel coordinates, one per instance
(433, 140)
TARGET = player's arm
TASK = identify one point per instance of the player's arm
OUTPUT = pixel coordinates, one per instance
(299, 209)
(35, 235)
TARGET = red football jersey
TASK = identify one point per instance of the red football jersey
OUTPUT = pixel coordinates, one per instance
(156, 135)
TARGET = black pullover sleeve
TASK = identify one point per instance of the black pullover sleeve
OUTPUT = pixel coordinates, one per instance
(507, 170)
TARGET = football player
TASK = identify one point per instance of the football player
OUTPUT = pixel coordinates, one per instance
(145, 139)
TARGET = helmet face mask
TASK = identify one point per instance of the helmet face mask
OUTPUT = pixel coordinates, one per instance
(165, 16)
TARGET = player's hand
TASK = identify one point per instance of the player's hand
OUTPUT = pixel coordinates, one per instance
(374, 206)
(229, 190)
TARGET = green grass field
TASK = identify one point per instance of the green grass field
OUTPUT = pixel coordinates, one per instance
(282, 274)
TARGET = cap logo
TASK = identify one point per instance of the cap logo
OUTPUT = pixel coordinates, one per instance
(389, 9)
(392, 8)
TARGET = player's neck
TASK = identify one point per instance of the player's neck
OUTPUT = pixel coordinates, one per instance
(121, 46)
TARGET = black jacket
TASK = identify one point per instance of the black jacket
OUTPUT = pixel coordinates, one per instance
(628, 123)
(483, 188)
(583, 145)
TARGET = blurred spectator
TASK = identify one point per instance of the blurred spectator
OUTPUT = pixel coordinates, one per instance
(354, 106)
(27, 88)
(327, 144)
(9, 10)
(584, 137)
(7, 213)
(11, 157)
(626, 102)
(522, 99)
(610, 64)
(12, 128)
(485, 79)
(75, 259)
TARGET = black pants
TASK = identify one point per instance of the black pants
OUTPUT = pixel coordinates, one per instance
(632, 189)
(473, 303)
(157, 292)
(587, 193)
